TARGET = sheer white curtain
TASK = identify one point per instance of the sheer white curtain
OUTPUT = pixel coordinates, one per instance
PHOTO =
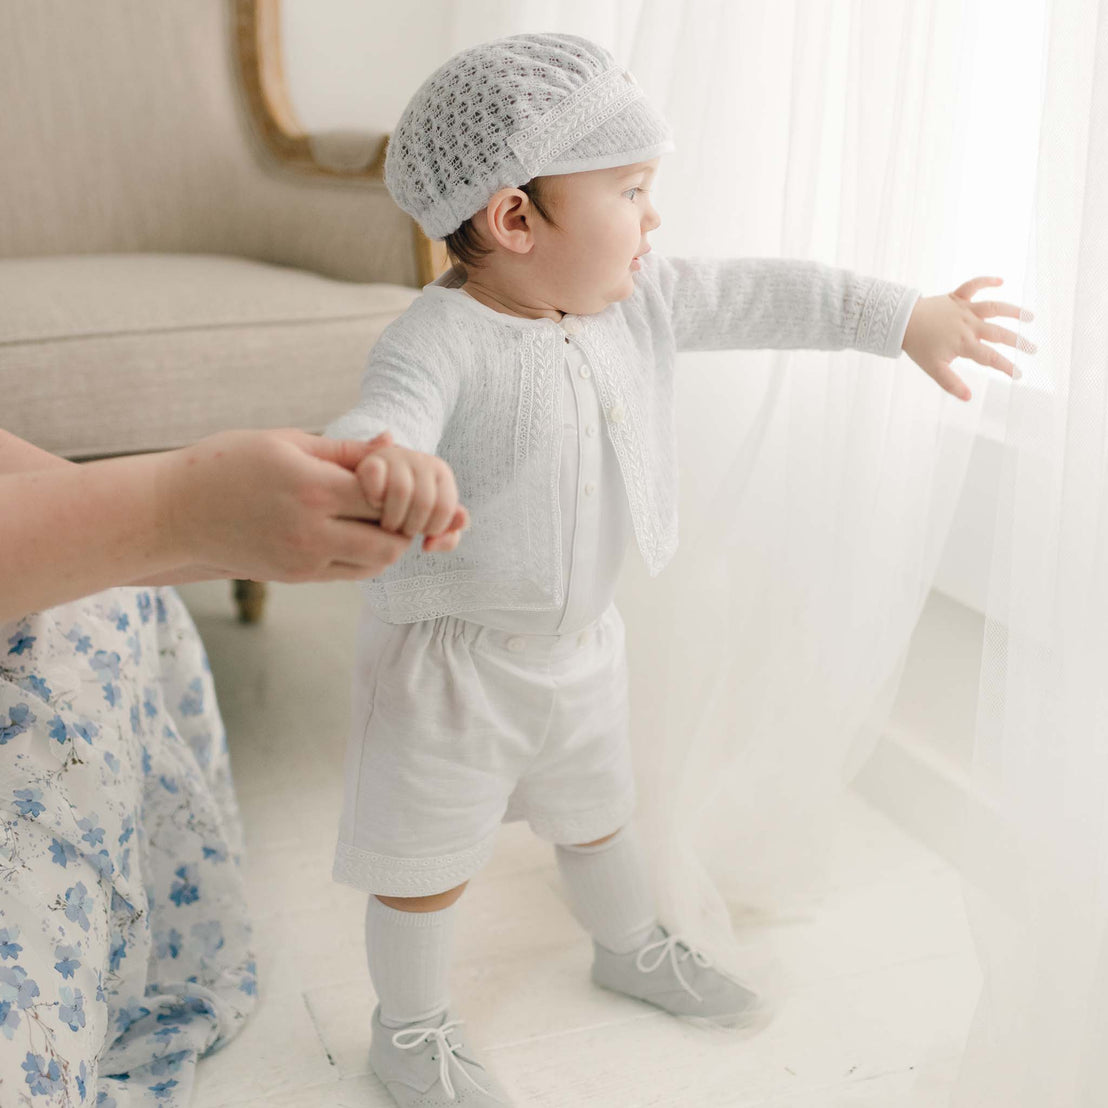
(818, 487)
(1041, 916)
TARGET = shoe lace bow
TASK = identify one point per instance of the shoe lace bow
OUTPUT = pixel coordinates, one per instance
(411, 1037)
(667, 947)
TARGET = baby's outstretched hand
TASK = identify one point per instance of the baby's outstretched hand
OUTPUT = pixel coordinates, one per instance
(942, 328)
(415, 494)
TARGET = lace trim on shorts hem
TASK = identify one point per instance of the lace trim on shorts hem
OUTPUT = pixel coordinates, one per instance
(389, 876)
(582, 827)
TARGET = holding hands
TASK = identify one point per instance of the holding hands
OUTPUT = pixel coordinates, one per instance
(942, 328)
(410, 494)
(263, 505)
(289, 506)
(272, 506)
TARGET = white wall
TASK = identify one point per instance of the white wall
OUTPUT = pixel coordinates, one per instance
(353, 64)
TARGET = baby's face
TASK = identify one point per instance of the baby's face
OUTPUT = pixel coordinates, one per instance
(603, 218)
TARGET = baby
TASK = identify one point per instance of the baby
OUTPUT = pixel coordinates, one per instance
(491, 679)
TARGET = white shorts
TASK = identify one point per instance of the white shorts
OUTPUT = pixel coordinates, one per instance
(457, 727)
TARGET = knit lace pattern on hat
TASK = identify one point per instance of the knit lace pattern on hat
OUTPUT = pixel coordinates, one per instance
(499, 114)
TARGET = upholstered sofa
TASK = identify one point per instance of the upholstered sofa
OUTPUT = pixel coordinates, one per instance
(176, 255)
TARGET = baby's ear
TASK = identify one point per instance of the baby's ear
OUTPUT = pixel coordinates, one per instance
(507, 218)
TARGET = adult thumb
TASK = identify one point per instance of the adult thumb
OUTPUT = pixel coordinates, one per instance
(347, 453)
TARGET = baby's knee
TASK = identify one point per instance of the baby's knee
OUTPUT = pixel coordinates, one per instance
(433, 903)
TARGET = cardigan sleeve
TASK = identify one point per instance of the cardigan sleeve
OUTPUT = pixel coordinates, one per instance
(781, 303)
(407, 390)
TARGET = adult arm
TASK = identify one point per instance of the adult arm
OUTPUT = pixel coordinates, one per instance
(780, 303)
(18, 456)
(269, 505)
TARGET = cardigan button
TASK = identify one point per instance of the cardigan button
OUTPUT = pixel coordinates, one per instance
(585, 372)
(616, 413)
(516, 644)
(571, 325)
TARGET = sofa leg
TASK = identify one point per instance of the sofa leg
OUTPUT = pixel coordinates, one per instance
(250, 598)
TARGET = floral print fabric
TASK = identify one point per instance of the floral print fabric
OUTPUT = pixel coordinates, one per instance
(124, 943)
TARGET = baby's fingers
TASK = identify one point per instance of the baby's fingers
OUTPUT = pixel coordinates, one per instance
(422, 504)
(449, 539)
(398, 495)
(372, 473)
(446, 502)
(442, 544)
(950, 381)
(994, 333)
(983, 309)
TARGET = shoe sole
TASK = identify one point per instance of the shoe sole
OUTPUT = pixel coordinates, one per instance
(741, 1025)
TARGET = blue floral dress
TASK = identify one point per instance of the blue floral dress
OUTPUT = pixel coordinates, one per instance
(124, 942)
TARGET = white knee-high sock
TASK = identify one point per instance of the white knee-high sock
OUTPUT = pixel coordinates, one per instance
(409, 961)
(609, 890)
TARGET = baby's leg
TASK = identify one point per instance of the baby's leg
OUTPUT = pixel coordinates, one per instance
(424, 903)
(417, 1051)
(610, 893)
(609, 889)
(409, 942)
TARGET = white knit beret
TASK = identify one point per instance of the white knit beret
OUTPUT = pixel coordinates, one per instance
(497, 115)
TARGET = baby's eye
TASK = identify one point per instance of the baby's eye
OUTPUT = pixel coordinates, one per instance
(635, 189)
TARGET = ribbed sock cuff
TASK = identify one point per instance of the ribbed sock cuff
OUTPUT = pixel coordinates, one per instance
(609, 891)
(409, 961)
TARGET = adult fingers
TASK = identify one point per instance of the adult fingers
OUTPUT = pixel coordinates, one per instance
(335, 571)
(343, 452)
(362, 544)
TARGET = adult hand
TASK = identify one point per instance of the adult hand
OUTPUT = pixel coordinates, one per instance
(275, 506)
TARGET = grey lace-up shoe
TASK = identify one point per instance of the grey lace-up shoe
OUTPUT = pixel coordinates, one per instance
(426, 1065)
(668, 972)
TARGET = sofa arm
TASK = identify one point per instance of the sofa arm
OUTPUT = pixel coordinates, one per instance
(345, 228)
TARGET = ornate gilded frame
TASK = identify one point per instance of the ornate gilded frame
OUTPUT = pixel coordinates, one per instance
(257, 43)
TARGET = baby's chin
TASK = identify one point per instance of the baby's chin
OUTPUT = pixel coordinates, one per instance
(626, 288)
(592, 303)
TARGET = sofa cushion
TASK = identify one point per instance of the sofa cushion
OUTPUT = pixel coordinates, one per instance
(115, 353)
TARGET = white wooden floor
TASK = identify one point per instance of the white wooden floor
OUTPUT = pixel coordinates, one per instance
(883, 980)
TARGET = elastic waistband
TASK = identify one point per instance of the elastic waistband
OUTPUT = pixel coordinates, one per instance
(527, 645)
